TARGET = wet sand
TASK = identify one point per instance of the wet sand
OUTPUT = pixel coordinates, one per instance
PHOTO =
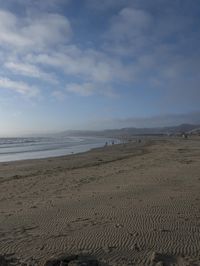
(132, 204)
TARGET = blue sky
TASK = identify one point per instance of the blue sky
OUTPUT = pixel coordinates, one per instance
(92, 64)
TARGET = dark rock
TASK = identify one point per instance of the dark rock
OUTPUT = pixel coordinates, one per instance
(3, 261)
(74, 260)
(84, 263)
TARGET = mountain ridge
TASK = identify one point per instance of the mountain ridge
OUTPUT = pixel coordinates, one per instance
(131, 131)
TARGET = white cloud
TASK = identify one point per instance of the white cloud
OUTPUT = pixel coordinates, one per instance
(87, 64)
(33, 32)
(9, 27)
(29, 34)
(130, 18)
(35, 5)
(31, 42)
(29, 70)
(19, 87)
(162, 50)
(130, 31)
(135, 48)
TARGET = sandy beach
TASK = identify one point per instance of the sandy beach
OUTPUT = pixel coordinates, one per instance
(127, 204)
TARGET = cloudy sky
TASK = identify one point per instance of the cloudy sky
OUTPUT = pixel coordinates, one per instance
(69, 64)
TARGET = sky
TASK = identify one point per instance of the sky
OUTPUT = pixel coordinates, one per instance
(95, 64)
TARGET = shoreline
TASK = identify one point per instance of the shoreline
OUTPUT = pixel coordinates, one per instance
(126, 204)
(55, 152)
(103, 148)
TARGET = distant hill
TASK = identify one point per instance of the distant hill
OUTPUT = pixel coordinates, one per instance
(173, 130)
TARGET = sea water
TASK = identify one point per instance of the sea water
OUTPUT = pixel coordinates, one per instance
(13, 149)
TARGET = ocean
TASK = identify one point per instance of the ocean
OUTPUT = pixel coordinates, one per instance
(13, 149)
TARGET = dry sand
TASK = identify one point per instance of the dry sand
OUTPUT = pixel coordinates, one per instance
(132, 204)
